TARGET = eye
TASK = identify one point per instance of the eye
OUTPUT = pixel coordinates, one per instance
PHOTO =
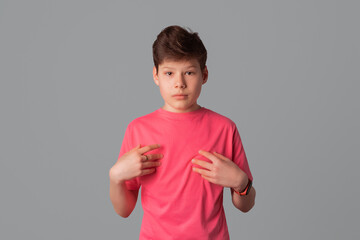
(189, 73)
(168, 73)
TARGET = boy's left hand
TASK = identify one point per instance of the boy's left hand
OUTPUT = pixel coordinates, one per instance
(221, 171)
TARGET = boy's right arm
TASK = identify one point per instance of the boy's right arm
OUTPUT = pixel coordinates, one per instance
(123, 200)
(130, 165)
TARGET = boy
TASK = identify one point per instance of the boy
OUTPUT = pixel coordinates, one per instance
(182, 155)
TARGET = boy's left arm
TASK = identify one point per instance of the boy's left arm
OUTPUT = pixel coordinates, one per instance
(244, 203)
(225, 172)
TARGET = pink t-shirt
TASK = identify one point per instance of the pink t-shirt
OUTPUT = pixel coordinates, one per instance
(177, 202)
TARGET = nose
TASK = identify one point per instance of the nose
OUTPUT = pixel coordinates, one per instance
(180, 82)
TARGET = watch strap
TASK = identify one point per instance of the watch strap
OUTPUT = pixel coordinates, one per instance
(246, 190)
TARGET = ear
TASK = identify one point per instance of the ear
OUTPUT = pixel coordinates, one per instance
(155, 76)
(205, 74)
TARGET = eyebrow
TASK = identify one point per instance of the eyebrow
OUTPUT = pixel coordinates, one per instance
(191, 66)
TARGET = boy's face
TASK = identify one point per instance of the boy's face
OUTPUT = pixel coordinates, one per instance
(180, 77)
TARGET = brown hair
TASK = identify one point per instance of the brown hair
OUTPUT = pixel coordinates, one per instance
(176, 43)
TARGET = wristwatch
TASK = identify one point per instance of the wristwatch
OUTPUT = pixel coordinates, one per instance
(246, 190)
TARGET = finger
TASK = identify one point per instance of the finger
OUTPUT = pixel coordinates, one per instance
(202, 163)
(156, 156)
(144, 158)
(221, 156)
(209, 179)
(202, 171)
(147, 171)
(208, 155)
(150, 164)
(148, 148)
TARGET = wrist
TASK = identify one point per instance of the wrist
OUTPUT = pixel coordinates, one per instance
(246, 190)
(114, 177)
(242, 182)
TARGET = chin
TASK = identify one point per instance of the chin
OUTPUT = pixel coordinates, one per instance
(179, 108)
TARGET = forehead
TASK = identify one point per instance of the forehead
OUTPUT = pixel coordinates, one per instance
(179, 64)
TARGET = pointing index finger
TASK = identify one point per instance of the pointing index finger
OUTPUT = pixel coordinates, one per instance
(148, 148)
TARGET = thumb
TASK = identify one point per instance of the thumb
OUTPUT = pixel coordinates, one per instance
(137, 146)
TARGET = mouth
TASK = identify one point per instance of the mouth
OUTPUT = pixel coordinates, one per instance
(179, 96)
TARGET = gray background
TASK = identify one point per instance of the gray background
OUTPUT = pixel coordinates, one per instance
(75, 73)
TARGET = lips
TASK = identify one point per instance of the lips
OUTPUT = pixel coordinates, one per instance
(179, 95)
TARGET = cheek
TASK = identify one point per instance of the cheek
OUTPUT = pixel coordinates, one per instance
(197, 88)
(164, 89)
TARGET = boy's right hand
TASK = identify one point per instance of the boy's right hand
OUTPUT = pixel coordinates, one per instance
(133, 163)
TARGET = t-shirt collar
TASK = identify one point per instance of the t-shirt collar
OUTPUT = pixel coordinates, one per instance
(182, 116)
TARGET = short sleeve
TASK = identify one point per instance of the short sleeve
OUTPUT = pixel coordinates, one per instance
(239, 156)
(127, 145)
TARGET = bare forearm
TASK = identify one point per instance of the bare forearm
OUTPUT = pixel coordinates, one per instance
(244, 203)
(123, 200)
